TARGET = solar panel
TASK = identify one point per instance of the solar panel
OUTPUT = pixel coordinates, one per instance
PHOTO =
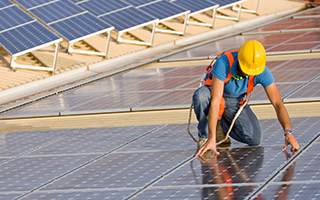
(13, 16)
(79, 26)
(56, 11)
(5, 3)
(100, 7)
(194, 6)
(20, 34)
(197, 7)
(122, 16)
(27, 4)
(70, 21)
(76, 1)
(26, 37)
(137, 2)
(126, 18)
(163, 9)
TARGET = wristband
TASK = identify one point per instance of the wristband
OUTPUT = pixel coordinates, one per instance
(288, 132)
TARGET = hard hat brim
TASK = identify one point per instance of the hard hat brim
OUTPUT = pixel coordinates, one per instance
(252, 72)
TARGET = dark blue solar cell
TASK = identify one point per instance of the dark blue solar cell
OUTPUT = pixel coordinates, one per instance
(32, 3)
(194, 6)
(163, 9)
(127, 18)
(223, 2)
(13, 16)
(79, 26)
(26, 37)
(4, 3)
(99, 7)
(56, 11)
(76, 1)
(137, 2)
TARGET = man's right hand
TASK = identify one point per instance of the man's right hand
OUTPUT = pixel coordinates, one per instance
(210, 144)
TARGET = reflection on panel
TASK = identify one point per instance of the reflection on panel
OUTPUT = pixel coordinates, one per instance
(195, 193)
(233, 165)
(305, 168)
(292, 191)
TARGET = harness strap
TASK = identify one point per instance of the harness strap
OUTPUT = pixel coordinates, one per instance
(249, 89)
(210, 67)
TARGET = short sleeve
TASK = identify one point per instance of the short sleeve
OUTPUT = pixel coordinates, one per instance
(221, 68)
(265, 78)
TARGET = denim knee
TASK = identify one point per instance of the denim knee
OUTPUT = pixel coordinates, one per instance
(202, 94)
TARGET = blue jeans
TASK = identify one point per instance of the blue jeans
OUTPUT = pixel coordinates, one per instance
(246, 128)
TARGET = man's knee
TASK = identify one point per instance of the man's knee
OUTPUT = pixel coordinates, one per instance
(254, 141)
(202, 94)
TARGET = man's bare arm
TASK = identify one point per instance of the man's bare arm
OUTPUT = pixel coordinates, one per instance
(216, 95)
(282, 115)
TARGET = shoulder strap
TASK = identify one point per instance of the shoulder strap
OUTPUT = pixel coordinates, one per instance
(231, 61)
(249, 88)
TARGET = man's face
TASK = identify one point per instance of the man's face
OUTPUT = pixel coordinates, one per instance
(240, 72)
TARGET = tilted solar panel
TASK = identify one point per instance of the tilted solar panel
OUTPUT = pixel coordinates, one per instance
(127, 18)
(26, 37)
(223, 2)
(99, 7)
(27, 4)
(4, 3)
(79, 26)
(20, 34)
(76, 1)
(13, 16)
(55, 11)
(70, 21)
(194, 6)
(137, 2)
(162, 9)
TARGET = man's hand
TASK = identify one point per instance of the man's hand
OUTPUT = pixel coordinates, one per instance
(210, 144)
(290, 139)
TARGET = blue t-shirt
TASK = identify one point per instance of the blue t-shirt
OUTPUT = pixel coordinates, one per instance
(237, 88)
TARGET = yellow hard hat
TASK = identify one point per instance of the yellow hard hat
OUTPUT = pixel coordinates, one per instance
(252, 57)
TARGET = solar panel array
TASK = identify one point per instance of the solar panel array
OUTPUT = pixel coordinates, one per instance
(122, 16)
(150, 162)
(67, 19)
(20, 34)
(157, 161)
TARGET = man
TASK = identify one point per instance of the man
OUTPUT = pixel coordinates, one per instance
(248, 67)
